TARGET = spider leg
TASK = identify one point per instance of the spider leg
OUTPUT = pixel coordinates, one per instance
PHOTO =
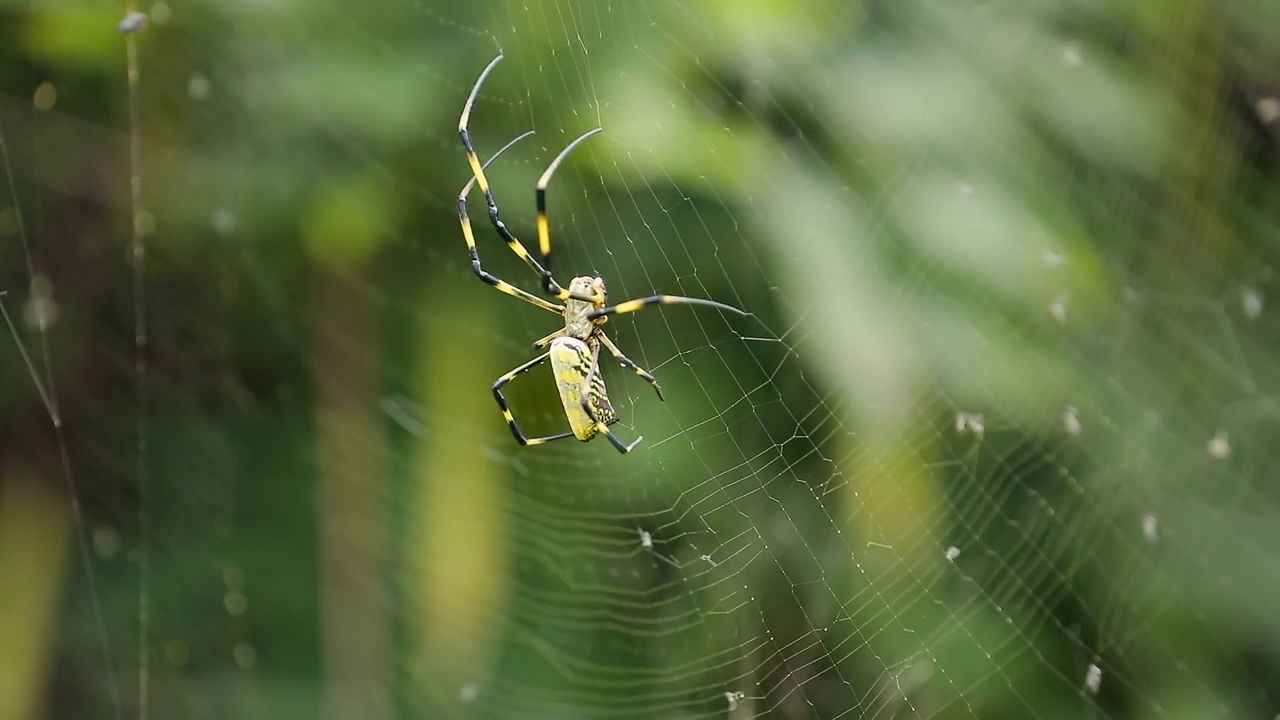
(477, 174)
(631, 306)
(629, 363)
(544, 226)
(506, 412)
(467, 234)
(590, 396)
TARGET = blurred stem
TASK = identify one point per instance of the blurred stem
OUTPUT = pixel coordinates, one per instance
(461, 544)
(35, 527)
(895, 497)
(894, 502)
(355, 630)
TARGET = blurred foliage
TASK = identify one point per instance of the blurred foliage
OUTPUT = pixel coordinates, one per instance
(995, 441)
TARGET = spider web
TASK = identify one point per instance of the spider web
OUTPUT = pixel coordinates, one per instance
(993, 443)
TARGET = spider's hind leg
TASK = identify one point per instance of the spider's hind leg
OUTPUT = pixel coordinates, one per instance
(603, 427)
(595, 403)
(506, 412)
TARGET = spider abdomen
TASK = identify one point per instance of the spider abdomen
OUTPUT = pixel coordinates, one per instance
(571, 361)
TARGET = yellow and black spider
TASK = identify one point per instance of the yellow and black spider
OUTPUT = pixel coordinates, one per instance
(574, 350)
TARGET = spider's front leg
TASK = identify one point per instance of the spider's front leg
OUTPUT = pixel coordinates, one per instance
(478, 178)
(544, 225)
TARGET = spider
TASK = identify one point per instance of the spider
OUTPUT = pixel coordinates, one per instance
(574, 350)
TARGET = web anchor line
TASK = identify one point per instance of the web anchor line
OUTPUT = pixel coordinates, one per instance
(134, 22)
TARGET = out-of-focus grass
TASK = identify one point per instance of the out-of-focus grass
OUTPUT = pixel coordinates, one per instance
(35, 534)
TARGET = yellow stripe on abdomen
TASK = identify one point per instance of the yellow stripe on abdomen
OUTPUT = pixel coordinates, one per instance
(570, 363)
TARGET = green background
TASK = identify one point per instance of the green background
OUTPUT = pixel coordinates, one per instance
(995, 442)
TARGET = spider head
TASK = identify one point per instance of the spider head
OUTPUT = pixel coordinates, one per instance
(587, 285)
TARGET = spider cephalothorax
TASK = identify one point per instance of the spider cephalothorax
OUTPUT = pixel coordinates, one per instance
(576, 323)
(574, 350)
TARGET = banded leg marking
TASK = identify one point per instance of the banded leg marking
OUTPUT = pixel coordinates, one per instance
(477, 174)
(506, 412)
(469, 236)
(629, 363)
